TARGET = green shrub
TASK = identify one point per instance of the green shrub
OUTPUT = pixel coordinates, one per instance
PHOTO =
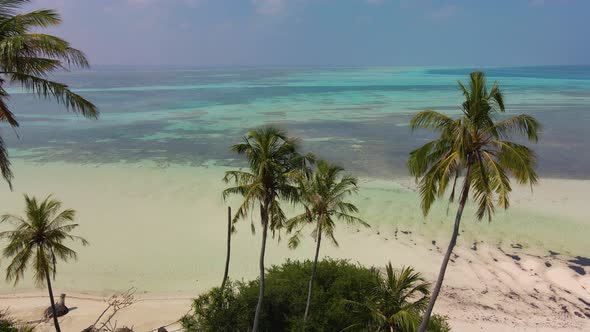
(285, 297)
(439, 323)
(8, 324)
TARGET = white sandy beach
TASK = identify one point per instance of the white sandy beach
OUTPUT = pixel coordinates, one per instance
(161, 230)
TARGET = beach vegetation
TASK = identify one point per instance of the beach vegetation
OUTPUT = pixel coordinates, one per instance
(9, 324)
(273, 161)
(396, 303)
(324, 198)
(475, 147)
(38, 241)
(286, 295)
(337, 283)
(27, 58)
(230, 230)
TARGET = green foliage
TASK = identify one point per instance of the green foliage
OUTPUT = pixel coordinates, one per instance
(8, 324)
(214, 311)
(438, 323)
(285, 297)
(28, 57)
(273, 162)
(39, 239)
(323, 196)
(474, 144)
(397, 301)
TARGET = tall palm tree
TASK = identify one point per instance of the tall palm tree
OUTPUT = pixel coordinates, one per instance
(397, 302)
(230, 230)
(273, 161)
(27, 58)
(39, 239)
(476, 146)
(323, 196)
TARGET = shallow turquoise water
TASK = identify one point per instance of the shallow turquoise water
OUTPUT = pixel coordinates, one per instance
(357, 116)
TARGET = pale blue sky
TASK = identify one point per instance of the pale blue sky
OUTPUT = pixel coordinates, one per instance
(327, 32)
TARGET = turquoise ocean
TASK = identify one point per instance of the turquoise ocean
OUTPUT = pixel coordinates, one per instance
(355, 116)
(146, 176)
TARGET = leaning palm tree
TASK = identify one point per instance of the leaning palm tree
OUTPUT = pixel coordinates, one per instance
(477, 147)
(38, 239)
(396, 303)
(323, 195)
(27, 58)
(273, 161)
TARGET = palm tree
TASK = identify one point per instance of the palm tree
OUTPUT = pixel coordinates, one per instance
(27, 58)
(477, 147)
(397, 302)
(323, 196)
(274, 161)
(39, 239)
(230, 230)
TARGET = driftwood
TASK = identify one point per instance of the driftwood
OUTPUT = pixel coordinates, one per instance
(60, 308)
(115, 303)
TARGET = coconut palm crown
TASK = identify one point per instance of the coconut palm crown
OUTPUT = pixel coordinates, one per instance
(323, 196)
(273, 162)
(38, 240)
(474, 144)
(27, 58)
(477, 147)
(397, 303)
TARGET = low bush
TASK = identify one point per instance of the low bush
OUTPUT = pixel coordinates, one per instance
(7, 324)
(285, 297)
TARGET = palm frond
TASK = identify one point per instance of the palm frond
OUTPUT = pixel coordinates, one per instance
(27, 58)
(430, 119)
(60, 92)
(39, 238)
(523, 124)
(5, 164)
(9, 7)
(23, 22)
(474, 140)
(5, 114)
(519, 160)
(16, 270)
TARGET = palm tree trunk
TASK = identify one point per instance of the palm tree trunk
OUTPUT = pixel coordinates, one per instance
(313, 269)
(443, 267)
(228, 249)
(55, 322)
(264, 215)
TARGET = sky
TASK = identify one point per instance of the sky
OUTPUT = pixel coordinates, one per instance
(326, 32)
